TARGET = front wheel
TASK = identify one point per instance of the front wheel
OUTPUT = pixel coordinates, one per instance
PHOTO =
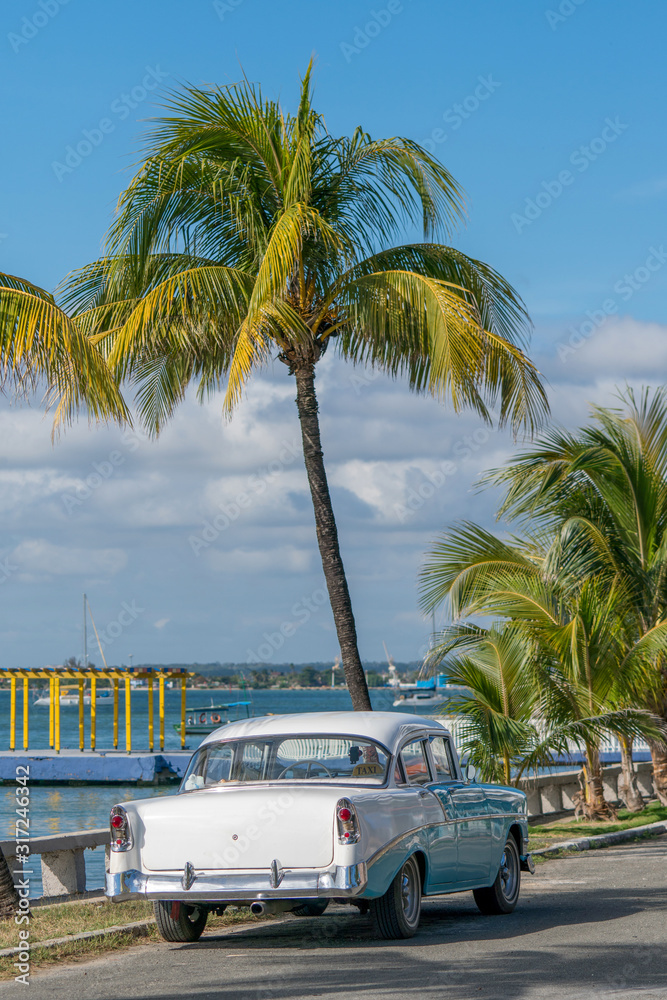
(178, 921)
(397, 913)
(503, 895)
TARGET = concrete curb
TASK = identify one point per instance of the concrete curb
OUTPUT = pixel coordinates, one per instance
(603, 839)
(134, 928)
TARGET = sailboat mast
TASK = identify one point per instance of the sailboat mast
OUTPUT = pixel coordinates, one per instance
(85, 632)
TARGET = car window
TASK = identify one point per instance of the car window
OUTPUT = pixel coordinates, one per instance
(442, 759)
(415, 763)
(326, 758)
(339, 759)
(251, 762)
(218, 765)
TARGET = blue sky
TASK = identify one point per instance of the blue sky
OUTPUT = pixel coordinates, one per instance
(551, 116)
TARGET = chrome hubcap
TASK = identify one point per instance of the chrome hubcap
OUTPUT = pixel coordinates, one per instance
(410, 894)
(508, 874)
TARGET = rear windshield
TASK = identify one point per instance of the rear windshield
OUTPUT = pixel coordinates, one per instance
(287, 758)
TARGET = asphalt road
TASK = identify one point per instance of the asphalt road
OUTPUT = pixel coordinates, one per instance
(593, 925)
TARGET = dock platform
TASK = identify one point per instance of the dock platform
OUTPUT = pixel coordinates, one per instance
(94, 767)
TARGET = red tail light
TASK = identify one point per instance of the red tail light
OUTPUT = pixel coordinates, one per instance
(347, 823)
(121, 836)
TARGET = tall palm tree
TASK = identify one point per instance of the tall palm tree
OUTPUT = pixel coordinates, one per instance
(250, 234)
(606, 486)
(41, 346)
(583, 652)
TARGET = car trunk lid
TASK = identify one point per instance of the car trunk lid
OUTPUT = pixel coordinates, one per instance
(238, 828)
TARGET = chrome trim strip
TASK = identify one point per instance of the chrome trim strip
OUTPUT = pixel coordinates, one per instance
(401, 836)
(240, 886)
(429, 826)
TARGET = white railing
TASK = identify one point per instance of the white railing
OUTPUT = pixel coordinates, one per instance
(609, 744)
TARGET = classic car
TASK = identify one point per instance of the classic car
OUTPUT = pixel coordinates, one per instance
(286, 813)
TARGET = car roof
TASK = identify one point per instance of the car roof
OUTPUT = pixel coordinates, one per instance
(388, 728)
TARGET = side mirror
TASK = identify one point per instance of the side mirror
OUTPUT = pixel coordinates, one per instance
(470, 772)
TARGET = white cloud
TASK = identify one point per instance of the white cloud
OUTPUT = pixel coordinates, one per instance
(386, 452)
(619, 349)
(38, 558)
(254, 563)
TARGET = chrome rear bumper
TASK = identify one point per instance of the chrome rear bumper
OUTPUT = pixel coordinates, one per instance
(240, 887)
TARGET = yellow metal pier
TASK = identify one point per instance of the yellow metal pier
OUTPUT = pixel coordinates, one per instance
(86, 678)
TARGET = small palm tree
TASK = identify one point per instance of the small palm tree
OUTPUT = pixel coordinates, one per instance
(496, 730)
(583, 654)
(605, 487)
(249, 234)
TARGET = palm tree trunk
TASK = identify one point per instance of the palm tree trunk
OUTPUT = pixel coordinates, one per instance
(327, 537)
(596, 806)
(507, 768)
(628, 789)
(659, 758)
(9, 900)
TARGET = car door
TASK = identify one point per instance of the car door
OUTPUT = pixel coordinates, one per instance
(440, 829)
(444, 847)
(465, 804)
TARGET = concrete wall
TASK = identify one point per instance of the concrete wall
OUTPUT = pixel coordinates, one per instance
(550, 794)
(93, 767)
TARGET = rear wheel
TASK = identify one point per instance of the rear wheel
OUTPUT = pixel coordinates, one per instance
(313, 908)
(397, 913)
(503, 895)
(178, 921)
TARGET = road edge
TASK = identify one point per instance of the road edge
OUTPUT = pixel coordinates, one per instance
(603, 839)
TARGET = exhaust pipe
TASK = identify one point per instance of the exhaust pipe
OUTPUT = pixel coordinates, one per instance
(263, 906)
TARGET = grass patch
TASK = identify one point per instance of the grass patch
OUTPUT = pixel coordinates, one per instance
(568, 829)
(79, 951)
(74, 918)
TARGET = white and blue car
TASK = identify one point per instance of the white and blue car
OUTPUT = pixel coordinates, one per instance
(286, 813)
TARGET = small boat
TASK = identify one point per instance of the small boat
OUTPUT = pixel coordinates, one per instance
(70, 697)
(431, 692)
(434, 696)
(202, 721)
